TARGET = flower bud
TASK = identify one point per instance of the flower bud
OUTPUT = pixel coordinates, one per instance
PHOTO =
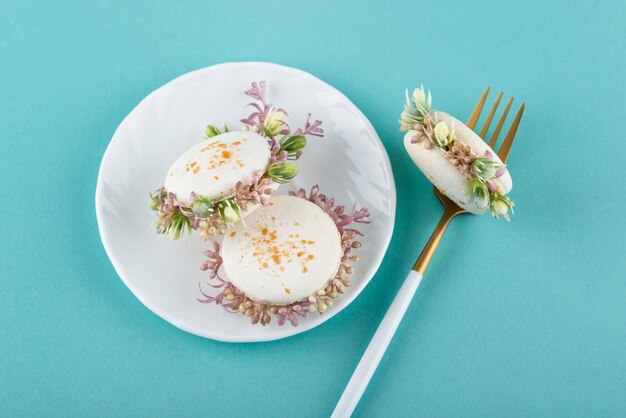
(282, 171)
(477, 193)
(293, 144)
(211, 131)
(500, 205)
(202, 207)
(230, 215)
(499, 208)
(485, 168)
(229, 211)
(274, 122)
(419, 99)
(443, 135)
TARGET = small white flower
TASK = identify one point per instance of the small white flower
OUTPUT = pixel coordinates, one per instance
(500, 205)
(274, 122)
(420, 100)
(230, 215)
(229, 211)
(485, 167)
(499, 208)
(419, 97)
(442, 134)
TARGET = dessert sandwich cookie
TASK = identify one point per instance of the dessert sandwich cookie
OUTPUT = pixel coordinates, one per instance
(223, 179)
(291, 258)
(454, 158)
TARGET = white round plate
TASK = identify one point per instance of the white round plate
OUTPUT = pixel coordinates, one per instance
(349, 163)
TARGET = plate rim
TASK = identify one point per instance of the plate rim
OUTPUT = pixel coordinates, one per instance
(219, 336)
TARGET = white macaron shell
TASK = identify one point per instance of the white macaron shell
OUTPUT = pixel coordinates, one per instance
(287, 251)
(446, 177)
(213, 167)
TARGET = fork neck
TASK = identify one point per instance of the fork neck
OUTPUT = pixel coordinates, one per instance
(431, 246)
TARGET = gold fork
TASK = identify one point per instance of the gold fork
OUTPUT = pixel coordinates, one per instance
(379, 343)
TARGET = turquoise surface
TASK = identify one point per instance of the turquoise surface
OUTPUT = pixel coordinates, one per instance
(526, 318)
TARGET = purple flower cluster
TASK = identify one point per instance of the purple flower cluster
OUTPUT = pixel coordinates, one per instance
(258, 191)
(263, 109)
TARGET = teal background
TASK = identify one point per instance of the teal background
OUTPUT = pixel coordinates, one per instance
(526, 318)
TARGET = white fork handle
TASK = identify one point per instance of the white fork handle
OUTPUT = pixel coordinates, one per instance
(377, 347)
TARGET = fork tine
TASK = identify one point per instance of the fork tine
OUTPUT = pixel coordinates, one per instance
(494, 136)
(485, 128)
(479, 107)
(505, 148)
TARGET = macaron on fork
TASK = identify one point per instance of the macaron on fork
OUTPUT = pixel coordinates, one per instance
(451, 209)
(379, 343)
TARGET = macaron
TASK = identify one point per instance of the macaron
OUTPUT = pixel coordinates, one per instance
(213, 167)
(292, 257)
(439, 166)
(218, 182)
(455, 159)
(287, 251)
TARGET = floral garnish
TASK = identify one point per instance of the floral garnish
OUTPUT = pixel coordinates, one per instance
(460, 155)
(229, 211)
(443, 135)
(485, 168)
(482, 172)
(500, 205)
(274, 124)
(282, 171)
(212, 217)
(478, 193)
(233, 300)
